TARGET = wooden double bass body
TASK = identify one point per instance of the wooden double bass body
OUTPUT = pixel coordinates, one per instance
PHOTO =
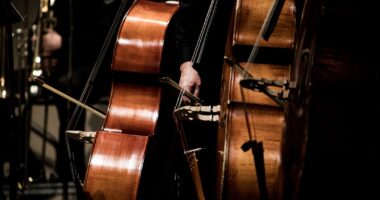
(118, 160)
(249, 115)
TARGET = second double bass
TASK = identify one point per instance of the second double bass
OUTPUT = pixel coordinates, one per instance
(250, 132)
(120, 166)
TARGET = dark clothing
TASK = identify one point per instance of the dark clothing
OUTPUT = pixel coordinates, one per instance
(189, 23)
(208, 63)
(191, 17)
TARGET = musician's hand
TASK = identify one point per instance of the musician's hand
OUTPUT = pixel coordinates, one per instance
(51, 41)
(189, 80)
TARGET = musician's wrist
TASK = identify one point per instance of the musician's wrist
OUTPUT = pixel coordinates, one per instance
(185, 66)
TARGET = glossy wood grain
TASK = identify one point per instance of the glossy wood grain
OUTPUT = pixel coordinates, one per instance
(267, 124)
(133, 107)
(118, 156)
(116, 163)
(248, 115)
(250, 16)
(141, 37)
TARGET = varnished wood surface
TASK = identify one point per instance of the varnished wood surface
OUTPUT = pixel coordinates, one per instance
(117, 161)
(133, 108)
(141, 37)
(245, 111)
(250, 16)
(267, 125)
(115, 166)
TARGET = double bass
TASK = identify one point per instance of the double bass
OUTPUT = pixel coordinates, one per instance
(121, 165)
(125, 162)
(252, 117)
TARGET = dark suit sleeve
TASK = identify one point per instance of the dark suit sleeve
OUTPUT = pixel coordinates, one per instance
(188, 25)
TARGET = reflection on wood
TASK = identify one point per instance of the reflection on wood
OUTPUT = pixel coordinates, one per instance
(248, 115)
